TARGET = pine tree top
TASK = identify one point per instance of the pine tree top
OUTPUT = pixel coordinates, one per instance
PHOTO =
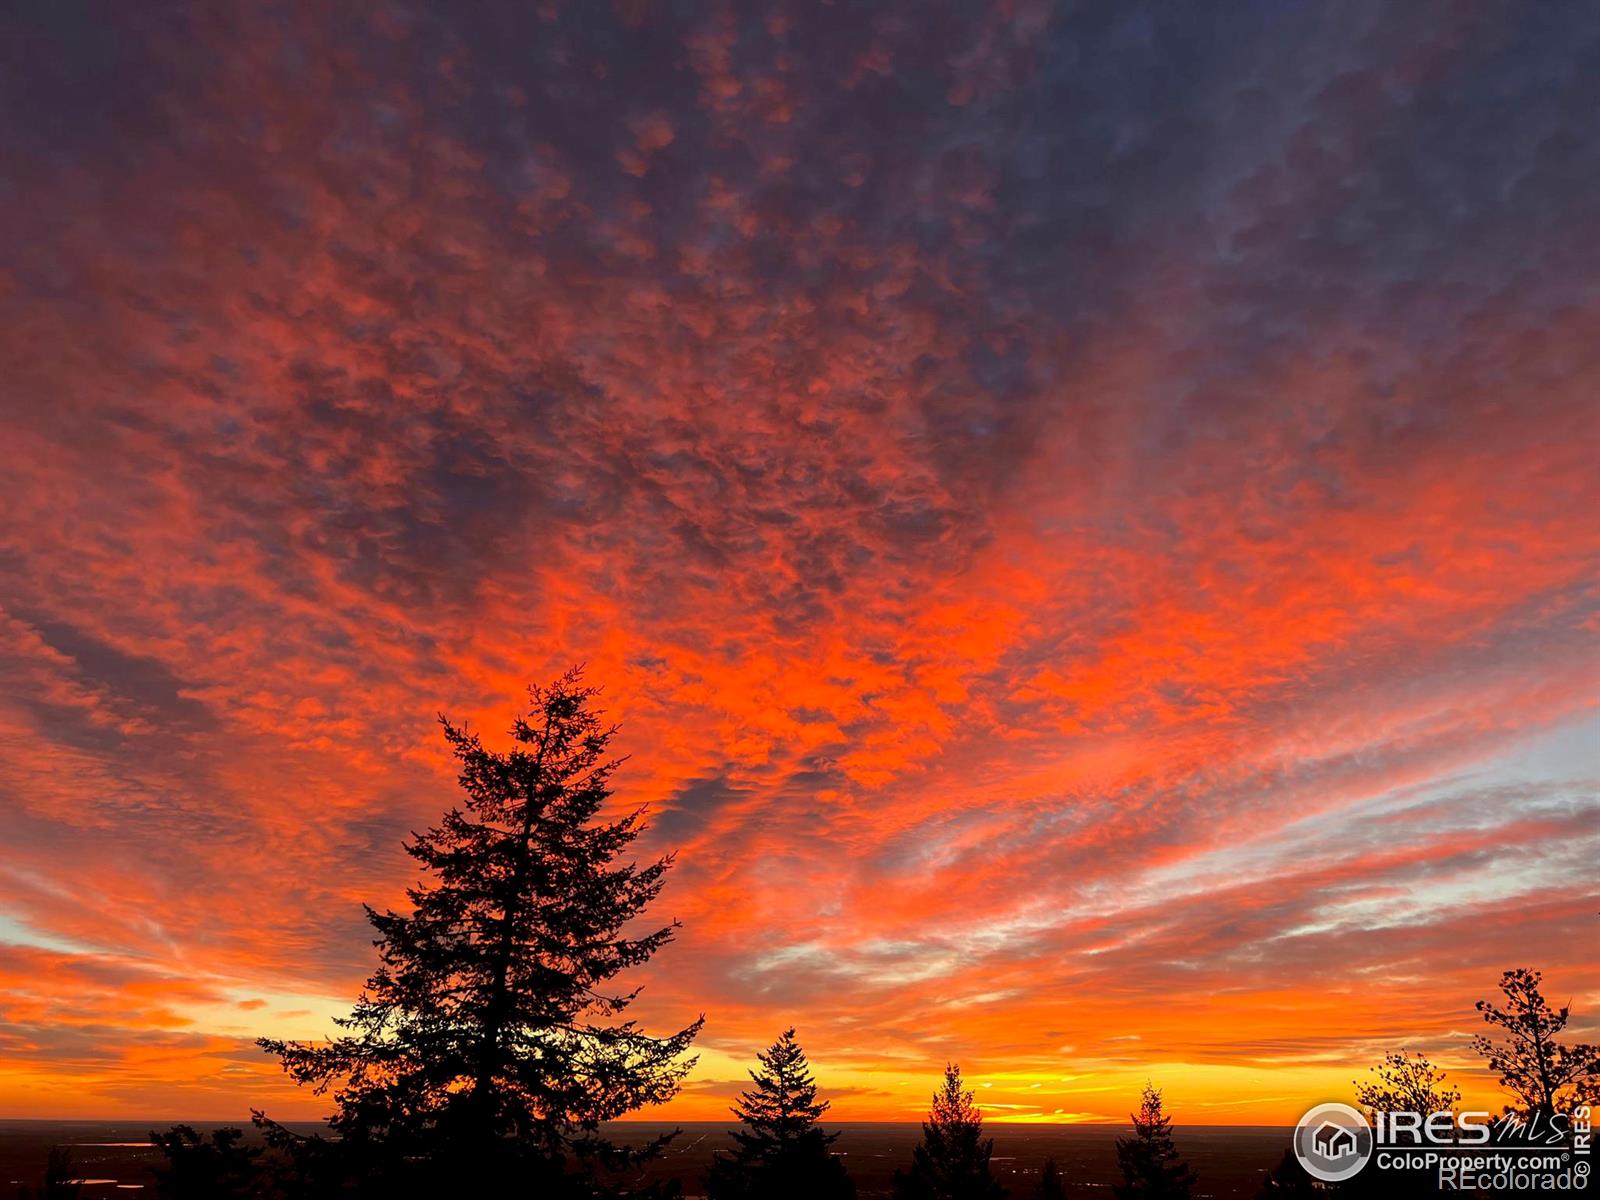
(952, 1159)
(783, 1104)
(782, 1152)
(1151, 1120)
(1151, 1166)
(952, 1107)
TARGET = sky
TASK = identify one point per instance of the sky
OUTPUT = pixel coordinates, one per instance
(1084, 513)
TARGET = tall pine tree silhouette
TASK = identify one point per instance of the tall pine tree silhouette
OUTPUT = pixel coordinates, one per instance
(951, 1162)
(782, 1152)
(1151, 1166)
(489, 1044)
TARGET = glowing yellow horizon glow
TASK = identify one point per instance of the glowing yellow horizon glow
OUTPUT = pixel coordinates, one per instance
(223, 1077)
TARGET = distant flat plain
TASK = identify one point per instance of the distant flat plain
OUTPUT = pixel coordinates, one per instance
(1231, 1160)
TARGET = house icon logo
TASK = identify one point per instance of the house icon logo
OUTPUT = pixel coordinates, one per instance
(1333, 1142)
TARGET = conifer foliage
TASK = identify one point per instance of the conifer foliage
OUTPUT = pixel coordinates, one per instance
(951, 1162)
(782, 1152)
(490, 1043)
(1151, 1166)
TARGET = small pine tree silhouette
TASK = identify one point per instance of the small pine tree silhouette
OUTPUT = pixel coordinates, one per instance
(951, 1162)
(1151, 1166)
(782, 1153)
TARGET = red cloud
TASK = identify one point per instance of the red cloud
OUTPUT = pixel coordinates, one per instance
(975, 559)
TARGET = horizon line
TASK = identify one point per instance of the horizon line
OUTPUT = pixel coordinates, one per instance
(652, 1124)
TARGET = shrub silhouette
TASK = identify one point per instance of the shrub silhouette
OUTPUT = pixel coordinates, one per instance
(1050, 1186)
(60, 1178)
(204, 1168)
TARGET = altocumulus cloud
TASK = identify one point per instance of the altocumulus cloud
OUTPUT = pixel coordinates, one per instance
(1081, 509)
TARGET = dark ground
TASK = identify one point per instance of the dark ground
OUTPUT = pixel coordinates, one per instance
(1231, 1160)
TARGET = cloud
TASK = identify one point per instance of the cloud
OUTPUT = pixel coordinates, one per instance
(1084, 517)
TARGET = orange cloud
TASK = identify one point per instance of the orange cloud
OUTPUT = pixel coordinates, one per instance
(1099, 597)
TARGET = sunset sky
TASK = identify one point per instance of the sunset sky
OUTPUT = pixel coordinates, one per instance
(1086, 514)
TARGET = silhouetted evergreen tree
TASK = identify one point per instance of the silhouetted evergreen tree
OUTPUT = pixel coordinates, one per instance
(1050, 1186)
(782, 1152)
(218, 1167)
(1151, 1166)
(488, 1046)
(1545, 1076)
(952, 1160)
